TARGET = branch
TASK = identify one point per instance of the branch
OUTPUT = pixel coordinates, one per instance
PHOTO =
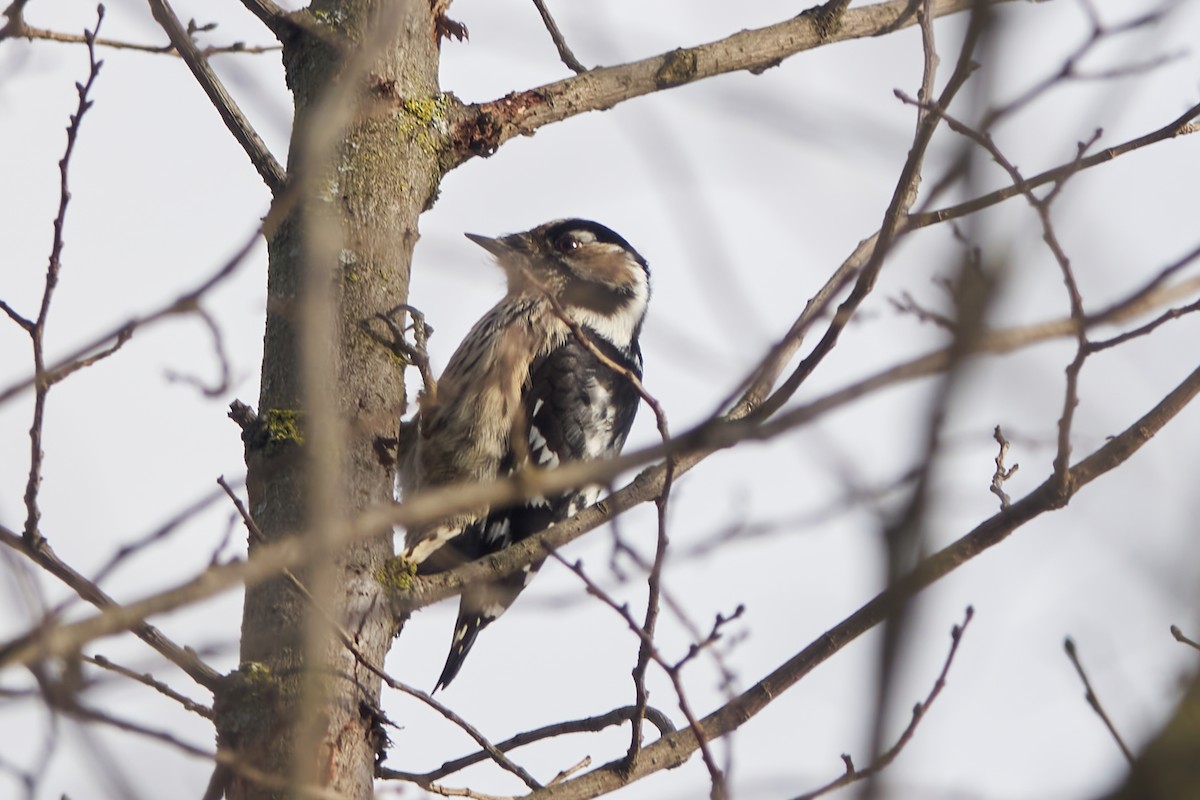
(1093, 700)
(649, 651)
(1182, 639)
(482, 128)
(348, 641)
(147, 679)
(36, 328)
(44, 34)
(270, 170)
(588, 725)
(756, 387)
(184, 658)
(277, 19)
(186, 303)
(853, 775)
(560, 43)
(689, 449)
(674, 749)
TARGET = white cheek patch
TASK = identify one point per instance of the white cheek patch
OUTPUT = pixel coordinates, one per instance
(619, 326)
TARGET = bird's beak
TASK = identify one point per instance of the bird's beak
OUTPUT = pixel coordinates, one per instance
(496, 247)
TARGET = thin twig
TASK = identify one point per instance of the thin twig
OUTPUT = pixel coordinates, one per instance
(1094, 701)
(690, 448)
(1041, 205)
(186, 303)
(1179, 637)
(1002, 473)
(894, 223)
(1143, 330)
(654, 580)
(37, 330)
(160, 533)
(673, 672)
(560, 43)
(44, 34)
(673, 749)
(149, 680)
(183, 657)
(218, 343)
(270, 170)
(586, 725)
(348, 641)
(853, 775)
(654, 592)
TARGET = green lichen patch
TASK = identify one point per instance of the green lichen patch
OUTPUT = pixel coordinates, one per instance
(243, 703)
(283, 425)
(252, 673)
(396, 574)
(424, 109)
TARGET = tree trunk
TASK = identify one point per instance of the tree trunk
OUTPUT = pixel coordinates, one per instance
(303, 707)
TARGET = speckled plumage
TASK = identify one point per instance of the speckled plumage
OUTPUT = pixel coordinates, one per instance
(521, 369)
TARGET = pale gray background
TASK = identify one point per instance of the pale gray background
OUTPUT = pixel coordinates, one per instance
(744, 193)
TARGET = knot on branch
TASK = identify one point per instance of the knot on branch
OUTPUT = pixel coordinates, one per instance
(678, 67)
(826, 19)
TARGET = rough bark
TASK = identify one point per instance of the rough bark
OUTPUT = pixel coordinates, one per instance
(373, 183)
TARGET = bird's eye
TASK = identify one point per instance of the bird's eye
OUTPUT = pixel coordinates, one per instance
(567, 242)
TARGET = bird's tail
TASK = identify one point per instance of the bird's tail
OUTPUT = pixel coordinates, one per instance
(470, 623)
(481, 605)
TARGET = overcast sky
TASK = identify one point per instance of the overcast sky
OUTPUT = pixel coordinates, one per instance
(744, 193)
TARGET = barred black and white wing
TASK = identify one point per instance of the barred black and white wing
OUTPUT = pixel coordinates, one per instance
(577, 408)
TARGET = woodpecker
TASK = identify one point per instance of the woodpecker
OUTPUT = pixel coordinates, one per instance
(523, 391)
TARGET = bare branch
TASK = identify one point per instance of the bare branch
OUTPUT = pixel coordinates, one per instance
(184, 304)
(673, 671)
(885, 759)
(1179, 637)
(147, 679)
(44, 34)
(1002, 474)
(184, 658)
(270, 170)
(349, 643)
(481, 129)
(1093, 700)
(675, 748)
(218, 344)
(276, 18)
(560, 43)
(36, 328)
(690, 448)
(586, 725)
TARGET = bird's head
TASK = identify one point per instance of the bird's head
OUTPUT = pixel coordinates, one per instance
(597, 276)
